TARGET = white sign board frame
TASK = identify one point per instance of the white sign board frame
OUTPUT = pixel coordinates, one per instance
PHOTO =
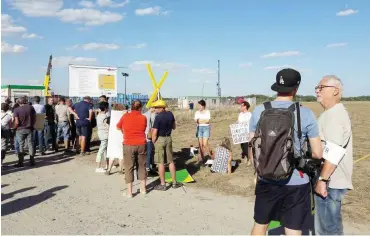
(92, 81)
(115, 138)
(239, 132)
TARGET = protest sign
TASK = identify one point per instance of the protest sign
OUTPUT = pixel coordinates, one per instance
(239, 132)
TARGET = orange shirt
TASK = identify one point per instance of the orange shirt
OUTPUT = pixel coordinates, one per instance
(133, 125)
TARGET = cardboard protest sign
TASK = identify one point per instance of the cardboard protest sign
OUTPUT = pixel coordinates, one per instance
(40, 121)
(239, 132)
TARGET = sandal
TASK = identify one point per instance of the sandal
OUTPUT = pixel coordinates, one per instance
(160, 187)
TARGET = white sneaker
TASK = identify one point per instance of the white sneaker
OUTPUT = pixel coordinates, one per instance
(99, 170)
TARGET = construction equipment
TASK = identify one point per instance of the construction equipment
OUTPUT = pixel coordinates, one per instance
(47, 78)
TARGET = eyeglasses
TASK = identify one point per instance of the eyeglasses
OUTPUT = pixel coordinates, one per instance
(320, 87)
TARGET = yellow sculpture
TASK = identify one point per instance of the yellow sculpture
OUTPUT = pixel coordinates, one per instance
(156, 91)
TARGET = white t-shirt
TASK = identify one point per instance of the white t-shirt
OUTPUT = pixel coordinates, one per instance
(335, 126)
(39, 108)
(202, 115)
(244, 117)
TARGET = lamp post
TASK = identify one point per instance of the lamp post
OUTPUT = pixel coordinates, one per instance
(125, 75)
(203, 88)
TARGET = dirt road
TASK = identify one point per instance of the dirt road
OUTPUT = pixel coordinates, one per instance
(66, 196)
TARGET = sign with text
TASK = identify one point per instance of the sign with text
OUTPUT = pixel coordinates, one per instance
(239, 132)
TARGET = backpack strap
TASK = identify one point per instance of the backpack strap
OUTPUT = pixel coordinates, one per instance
(267, 105)
(297, 105)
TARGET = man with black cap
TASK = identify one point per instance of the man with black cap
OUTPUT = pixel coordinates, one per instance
(285, 200)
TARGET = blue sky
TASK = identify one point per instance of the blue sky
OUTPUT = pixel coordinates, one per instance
(252, 39)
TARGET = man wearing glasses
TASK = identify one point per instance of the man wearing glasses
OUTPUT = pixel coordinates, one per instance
(335, 180)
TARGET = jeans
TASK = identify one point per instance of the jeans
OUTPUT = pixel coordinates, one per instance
(102, 153)
(16, 144)
(328, 216)
(203, 132)
(63, 131)
(149, 153)
(51, 134)
(38, 138)
(25, 136)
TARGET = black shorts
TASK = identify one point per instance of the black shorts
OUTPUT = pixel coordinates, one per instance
(289, 204)
(83, 130)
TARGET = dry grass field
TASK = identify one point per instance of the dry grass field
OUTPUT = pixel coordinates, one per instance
(357, 202)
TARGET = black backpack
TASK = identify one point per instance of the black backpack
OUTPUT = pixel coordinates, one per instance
(273, 142)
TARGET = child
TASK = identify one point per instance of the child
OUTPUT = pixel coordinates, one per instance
(103, 131)
(222, 157)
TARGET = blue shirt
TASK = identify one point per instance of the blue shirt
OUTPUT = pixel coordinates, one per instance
(164, 123)
(309, 129)
(82, 109)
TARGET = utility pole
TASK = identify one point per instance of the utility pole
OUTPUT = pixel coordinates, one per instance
(218, 82)
(125, 75)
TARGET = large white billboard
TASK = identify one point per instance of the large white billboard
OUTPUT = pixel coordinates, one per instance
(92, 81)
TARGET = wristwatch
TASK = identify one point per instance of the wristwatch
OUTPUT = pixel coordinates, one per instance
(323, 179)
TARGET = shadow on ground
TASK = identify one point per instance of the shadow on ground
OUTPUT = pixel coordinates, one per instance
(30, 201)
(41, 161)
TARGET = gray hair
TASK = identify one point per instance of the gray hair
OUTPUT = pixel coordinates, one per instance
(335, 81)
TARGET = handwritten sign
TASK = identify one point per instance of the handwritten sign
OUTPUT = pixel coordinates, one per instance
(239, 132)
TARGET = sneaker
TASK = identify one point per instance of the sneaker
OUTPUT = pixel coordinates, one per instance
(99, 170)
(160, 187)
(82, 154)
(177, 185)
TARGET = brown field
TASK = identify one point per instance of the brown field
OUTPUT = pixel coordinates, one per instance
(356, 204)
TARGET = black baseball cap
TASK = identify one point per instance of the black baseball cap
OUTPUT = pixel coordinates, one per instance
(286, 81)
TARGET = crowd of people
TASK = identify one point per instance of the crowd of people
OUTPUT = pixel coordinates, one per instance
(279, 132)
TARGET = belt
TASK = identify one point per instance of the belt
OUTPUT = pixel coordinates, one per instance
(164, 135)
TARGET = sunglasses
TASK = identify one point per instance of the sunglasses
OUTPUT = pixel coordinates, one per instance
(320, 87)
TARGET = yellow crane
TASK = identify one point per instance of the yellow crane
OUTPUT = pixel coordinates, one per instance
(47, 78)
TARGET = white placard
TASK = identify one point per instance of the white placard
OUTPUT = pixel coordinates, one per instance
(115, 138)
(333, 152)
(92, 81)
(239, 132)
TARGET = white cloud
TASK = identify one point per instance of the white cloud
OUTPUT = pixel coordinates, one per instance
(34, 82)
(157, 10)
(31, 36)
(95, 46)
(170, 66)
(65, 61)
(86, 4)
(8, 27)
(139, 46)
(278, 67)
(110, 3)
(88, 17)
(9, 48)
(281, 54)
(204, 71)
(37, 7)
(54, 8)
(336, 45)
(347, 12)
(245, 65)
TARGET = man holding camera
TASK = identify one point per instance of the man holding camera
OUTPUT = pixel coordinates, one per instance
(277, 131)
(336, 175)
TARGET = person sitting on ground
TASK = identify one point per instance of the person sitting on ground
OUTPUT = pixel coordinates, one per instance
(222, 157)
(103, 132)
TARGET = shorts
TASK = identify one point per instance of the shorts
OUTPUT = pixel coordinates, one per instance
(63, 130)
(203, 131)
(83, 130)
(289, 204)
(163, 153)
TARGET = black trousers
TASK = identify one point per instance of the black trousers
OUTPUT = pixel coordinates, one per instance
(244, 147)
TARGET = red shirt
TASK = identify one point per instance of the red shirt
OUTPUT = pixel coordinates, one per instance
(133, 125)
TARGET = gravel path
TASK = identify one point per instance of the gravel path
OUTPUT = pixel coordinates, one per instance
(65, 196)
